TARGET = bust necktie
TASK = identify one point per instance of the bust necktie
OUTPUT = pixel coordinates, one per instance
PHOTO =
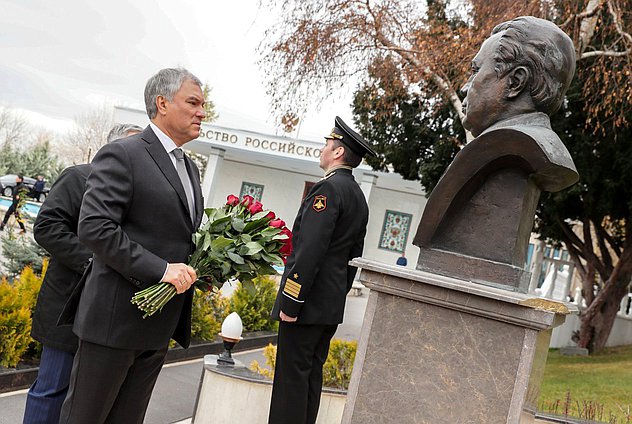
(184, 179)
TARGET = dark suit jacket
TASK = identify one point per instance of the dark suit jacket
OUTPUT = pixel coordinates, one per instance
(55, 230)
(135, 219)
(328, 232)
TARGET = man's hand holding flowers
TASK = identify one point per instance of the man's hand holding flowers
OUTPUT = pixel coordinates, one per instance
(181, 276)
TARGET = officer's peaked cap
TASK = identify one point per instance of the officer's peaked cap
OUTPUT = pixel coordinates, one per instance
(350, 138)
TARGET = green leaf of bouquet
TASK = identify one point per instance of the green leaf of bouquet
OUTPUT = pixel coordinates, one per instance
(259, 215)
(280, 237)
(235, 258)
(221, 221)
(219, 243)
(245, 238)
(225, 267)
(253, 247)
(256, 224)
(238, 224)
(243, 268)
(210, 213)
(270, 231)
(265, 269)
(272, 258)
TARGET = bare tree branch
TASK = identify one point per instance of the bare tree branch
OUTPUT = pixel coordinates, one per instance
(610, 53)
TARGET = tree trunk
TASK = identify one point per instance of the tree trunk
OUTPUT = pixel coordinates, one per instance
(598, 319)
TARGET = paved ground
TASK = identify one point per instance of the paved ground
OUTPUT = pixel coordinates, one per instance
(174, 396)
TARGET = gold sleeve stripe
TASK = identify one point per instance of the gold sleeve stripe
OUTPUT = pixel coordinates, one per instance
(291, 293)
(292, 284)
(292, 287)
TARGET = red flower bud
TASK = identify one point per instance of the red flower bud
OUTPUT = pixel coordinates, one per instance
(277, 223)
(247, 201)
(232, 200)
(270, 215)
(256, 207)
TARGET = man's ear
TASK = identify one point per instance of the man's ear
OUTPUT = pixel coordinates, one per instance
(340, 151)
(161, 105)
(517, 81)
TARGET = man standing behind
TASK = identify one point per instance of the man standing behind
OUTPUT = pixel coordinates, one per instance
(55, 230)
(328, 232)
(142, 204)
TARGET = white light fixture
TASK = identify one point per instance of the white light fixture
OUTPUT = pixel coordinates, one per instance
(231, 334)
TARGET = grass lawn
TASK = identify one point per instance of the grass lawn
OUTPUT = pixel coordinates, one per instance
(597, 387)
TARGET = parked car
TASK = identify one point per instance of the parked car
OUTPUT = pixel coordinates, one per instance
(8, 183)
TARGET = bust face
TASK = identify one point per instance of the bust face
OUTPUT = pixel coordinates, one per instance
(484, 102)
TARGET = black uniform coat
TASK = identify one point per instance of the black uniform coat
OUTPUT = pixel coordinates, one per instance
(328, 232)
(55, 230)
(135, 219)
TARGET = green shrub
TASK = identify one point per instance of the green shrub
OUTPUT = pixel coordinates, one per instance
(208, 312)
(339, 364)
(255, 308)
(336, 370)
(19, 252)
(17, 301)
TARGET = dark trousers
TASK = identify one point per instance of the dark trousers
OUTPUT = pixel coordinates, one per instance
(46, 395)
(13, 210)
(298, 376)
(111, 385)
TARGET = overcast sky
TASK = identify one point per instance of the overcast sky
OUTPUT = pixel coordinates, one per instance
(60, 58)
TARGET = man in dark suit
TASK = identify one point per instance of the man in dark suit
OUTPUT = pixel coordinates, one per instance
(328, 232)
(142, 204)
(55, 230)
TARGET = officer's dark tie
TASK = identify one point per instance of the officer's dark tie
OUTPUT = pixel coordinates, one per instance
(186, 183)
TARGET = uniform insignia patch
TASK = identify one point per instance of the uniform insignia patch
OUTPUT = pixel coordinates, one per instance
(320, 203)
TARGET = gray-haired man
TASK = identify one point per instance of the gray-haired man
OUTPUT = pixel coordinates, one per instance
(142, 204)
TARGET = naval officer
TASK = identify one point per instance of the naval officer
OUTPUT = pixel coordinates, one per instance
(328, 232)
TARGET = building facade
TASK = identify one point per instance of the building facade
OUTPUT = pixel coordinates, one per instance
(278, 171)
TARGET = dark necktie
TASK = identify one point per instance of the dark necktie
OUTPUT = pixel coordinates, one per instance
(184, 179)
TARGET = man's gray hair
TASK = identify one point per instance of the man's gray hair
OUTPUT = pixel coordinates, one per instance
(119, 131)
(545, 50)
(165, 83)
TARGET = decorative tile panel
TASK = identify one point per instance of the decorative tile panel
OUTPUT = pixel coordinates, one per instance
(395, 231)
(251, 189)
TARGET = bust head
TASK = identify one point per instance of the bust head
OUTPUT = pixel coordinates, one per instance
(526, 65)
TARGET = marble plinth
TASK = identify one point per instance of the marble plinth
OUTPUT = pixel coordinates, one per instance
(435, 349)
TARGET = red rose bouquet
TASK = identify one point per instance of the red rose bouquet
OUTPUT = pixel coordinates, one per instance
(238, 240)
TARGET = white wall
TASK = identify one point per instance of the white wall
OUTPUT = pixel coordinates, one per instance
(282, 190)
(621, 334)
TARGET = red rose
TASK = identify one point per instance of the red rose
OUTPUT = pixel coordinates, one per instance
(232, 200)
(247, 201)
(270, 215)
(277, 223)
(286, 231)
(256, 207)
(286, 249)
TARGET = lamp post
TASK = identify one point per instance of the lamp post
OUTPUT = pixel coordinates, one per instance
(231, 334)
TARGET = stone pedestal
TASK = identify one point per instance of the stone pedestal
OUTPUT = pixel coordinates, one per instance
(435, 349)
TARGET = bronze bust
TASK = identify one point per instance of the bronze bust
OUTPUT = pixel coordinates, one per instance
(477, 221)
